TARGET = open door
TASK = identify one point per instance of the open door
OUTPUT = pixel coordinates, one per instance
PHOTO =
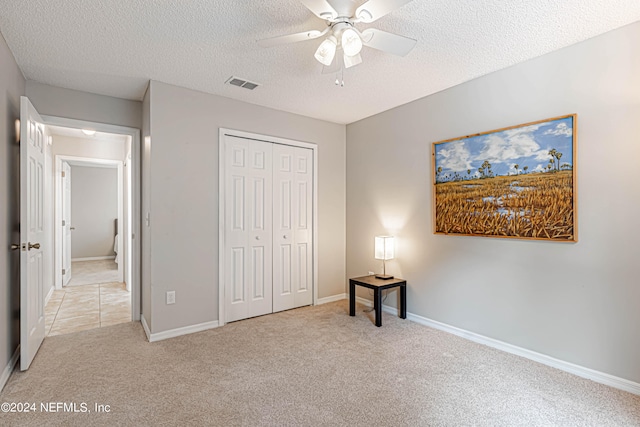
(66, 223)
(32, 232)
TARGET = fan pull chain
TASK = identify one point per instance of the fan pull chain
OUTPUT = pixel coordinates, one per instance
(340, 81)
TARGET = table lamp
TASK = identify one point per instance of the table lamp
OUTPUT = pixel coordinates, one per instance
(384, 246)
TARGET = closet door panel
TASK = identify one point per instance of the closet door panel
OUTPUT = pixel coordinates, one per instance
(303, 209)
(283, 235)
(248, 215)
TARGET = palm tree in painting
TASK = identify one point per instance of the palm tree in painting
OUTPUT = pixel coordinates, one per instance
(525, 169)
(485, 169)
(558, 156)
(516, 168)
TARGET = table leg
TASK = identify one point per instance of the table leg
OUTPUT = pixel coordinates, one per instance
(377, 305)
(352, 298)
(403, 301)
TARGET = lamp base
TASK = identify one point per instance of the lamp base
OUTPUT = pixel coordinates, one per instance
(383, 276)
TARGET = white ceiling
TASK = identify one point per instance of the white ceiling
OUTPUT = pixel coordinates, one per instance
(114, 47)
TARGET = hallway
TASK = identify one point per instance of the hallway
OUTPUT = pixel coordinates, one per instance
(79, 308)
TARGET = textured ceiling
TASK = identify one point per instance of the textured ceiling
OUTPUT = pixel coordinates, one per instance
(114, 47)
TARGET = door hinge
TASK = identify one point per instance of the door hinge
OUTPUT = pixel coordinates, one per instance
(63, 223)
(63, 174)
(64, 271)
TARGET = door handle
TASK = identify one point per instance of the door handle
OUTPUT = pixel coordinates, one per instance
(14, 247)
(72, 228)
(34, 246)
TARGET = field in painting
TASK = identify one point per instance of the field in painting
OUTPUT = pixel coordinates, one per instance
(535, 205)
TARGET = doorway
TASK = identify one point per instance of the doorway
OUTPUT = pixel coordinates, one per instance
(93, 205)
(38, 232)
(91, 197)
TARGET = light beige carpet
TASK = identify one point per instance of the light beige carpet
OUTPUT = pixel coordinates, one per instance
(93, 272)
(313, 366)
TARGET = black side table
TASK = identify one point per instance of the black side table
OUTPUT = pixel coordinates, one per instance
(378, 285)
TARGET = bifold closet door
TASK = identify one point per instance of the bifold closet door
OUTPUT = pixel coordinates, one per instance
(248, 219)
(292, 227)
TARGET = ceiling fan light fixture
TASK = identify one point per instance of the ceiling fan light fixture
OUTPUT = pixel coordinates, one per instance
(352, 61)
(326, 51)
(351, 42)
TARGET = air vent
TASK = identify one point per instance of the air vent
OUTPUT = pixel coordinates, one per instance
(236, 81)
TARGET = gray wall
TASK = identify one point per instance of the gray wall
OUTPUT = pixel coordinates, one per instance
(73, 104)
(12, 86)
(89, 148)
(575, 302)
(94, 208)
(184, 196)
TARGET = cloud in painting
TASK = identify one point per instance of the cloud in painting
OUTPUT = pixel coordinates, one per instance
(455, 157)
(561, 129)
(512, 144)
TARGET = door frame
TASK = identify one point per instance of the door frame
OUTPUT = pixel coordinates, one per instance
(222, 205)
(134, 228)
(88, 162)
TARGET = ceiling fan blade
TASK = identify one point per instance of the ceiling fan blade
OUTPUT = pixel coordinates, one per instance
(376, 9)
(387, 42)
(290, 38)
(321, 8)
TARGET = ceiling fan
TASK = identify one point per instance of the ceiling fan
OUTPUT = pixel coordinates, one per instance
(342, 34)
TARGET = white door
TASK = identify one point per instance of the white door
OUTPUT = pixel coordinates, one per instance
(66, 223)
(248, 215)
(32, 232)
(292, 227)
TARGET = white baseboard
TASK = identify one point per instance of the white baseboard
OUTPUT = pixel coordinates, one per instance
(172, 333)
(94, 258)
(48, 297)
(6, 373)
(145, 326)
(581, 371)
(333, 298)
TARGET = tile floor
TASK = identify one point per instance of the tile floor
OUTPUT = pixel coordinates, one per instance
(92, 272)
(78, 308)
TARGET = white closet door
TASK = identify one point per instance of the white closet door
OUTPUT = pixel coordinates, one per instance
(292, 227)
(303, 227)
(248, 211)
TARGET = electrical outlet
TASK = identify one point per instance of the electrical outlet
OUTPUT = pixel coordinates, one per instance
(171, 297)
(371, 273)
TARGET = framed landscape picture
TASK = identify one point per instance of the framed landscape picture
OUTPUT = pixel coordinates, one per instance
(517, 182)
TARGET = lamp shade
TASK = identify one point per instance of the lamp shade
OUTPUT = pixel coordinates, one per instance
(351, 43)
(326, 51)
(384, 247)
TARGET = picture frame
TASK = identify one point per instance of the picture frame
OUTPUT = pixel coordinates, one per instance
(514, 182)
